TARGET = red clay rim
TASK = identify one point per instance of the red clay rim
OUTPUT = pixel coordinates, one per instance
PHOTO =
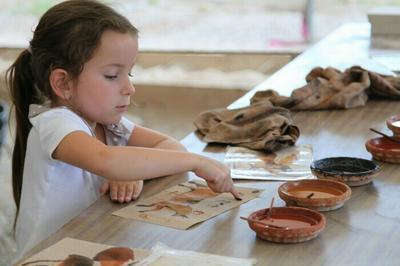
(391, 120)
(302, 213)
(342, 195)
(382, 144)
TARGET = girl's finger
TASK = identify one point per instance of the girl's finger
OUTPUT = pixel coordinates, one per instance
(104, 188)
(138, 189)
(235, 193)
(130, 189)
(227, 185)
(113, 191)
(121, 192)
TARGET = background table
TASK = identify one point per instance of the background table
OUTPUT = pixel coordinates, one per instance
(363, 232)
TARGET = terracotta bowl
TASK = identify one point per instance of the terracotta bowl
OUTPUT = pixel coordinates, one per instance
(352, 171)
(287, 224)
(393, 123)
(384, 149)
(317, 194)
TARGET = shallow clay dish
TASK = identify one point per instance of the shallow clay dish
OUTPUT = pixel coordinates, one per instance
(384, 149)
(317, 194)
(393, 123)
(352, 171)
(287, 224)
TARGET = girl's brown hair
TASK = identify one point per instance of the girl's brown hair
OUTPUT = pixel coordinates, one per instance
(65, 37)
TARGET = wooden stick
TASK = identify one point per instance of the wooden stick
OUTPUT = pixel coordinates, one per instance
(268, 212)
(384, 135)
(264, 223)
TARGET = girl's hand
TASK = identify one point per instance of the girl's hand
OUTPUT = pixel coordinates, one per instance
(217, 176)
(122, 191)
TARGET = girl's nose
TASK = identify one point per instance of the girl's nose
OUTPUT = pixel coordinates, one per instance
(128, 89)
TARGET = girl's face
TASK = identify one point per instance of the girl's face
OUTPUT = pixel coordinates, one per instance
(103, 90)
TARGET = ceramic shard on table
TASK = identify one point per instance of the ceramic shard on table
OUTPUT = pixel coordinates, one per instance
(292, 163)
(184, 205)
(69, 251)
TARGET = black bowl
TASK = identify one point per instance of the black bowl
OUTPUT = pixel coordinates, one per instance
(350, 170)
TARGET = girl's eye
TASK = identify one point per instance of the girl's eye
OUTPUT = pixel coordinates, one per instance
(110, 77)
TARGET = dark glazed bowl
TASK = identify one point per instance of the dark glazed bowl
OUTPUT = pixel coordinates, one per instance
(350, 170)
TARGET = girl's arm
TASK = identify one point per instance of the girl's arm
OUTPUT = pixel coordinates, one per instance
(130, 163)
(145, 137)
(125, 191)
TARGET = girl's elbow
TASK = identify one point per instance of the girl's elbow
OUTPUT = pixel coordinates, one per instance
(182, 147)
(179, 145)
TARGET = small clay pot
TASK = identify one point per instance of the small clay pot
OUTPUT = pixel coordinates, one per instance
(393, 123)
(384, 149)
(316, 194)
(352, 171)
(287, 224)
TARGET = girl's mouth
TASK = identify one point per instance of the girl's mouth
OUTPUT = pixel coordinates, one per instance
(122, 108)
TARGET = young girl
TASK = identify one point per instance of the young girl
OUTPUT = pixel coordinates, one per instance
(70, 89)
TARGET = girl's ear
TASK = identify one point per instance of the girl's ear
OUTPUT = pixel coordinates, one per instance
(59, 82)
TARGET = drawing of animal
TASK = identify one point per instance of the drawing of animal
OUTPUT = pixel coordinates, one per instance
(286, 159)
(179, 202)
(179, 208)
(195, 195)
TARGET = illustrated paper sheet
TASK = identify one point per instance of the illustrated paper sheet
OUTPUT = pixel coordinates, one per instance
(184, 205)
(71, 251)
(292, 163)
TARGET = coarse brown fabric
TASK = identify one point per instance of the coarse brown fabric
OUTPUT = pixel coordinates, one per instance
(267, 125)
(329, 88)
(259, 126)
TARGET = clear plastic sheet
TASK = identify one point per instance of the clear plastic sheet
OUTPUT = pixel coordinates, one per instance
(292, 163)
(165, 256)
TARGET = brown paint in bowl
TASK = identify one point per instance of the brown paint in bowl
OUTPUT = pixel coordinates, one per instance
(317, 194)
(288, 224)
(311, 193)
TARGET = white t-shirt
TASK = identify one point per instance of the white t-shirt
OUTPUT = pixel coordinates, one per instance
(54, 192)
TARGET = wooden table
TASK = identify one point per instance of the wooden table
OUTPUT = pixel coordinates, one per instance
(363, 232)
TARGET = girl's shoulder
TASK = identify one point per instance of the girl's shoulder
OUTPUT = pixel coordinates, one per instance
(45, 117)
(44, 111)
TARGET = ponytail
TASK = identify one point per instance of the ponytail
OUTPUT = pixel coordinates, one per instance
(21, 84)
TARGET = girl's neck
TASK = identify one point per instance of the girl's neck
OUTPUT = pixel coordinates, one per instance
(91, 124)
